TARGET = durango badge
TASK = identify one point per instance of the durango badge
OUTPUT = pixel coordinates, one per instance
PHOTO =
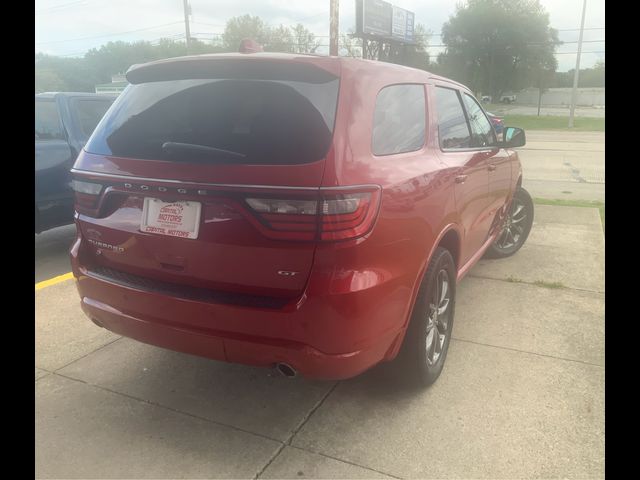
(108, 246)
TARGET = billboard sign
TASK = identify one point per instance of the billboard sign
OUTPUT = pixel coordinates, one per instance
(382, 19)
(402, 25)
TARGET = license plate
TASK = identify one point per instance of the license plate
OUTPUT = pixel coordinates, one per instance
(176, 219)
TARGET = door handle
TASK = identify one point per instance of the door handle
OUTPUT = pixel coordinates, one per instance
(492, 167)
(460, 178)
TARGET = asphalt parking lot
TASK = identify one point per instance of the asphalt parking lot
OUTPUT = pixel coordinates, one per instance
(521, 395)
(564, 165)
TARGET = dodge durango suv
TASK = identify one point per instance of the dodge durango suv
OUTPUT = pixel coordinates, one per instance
(308, 213)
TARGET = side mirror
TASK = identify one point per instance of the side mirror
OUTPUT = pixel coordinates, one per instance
(513, 137)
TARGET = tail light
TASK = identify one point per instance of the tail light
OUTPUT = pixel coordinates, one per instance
(86, 194)
(336, 214)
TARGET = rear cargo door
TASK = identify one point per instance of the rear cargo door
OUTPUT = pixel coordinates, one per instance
(208, 176)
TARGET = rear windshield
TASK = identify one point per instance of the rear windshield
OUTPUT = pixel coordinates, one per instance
(248, 121)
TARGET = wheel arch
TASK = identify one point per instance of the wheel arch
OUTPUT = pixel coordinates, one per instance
(449, 238)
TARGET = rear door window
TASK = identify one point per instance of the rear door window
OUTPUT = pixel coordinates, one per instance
(48, 124)
(274, 121)
(88, 112)
(399, 120)
(453, 128)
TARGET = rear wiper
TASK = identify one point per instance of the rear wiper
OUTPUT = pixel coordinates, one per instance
(171, 147)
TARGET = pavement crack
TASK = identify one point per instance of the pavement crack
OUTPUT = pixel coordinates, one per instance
(527, 351)
(282, 444)
(575, 172)
(287, 442)
(533, 284)
(345, 461)
(310, 413)
(86, 355)
(165, 407)
(275, 455)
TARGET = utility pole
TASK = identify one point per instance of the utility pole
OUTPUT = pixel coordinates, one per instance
(187, 9)
(539, 97)
(333, 27)
(574, 92)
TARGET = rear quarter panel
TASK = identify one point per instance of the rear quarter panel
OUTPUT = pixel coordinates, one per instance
(417, 205)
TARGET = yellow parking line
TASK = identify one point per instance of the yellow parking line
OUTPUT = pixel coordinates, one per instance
(54, 280)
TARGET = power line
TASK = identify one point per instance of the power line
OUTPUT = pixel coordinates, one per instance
(311, 16)
(155, 41)
(108, 34)
(208, 24)
(577, 29)
(574, 53)
(439, 34)
(71, 54)
(442, 45)
(61, 6)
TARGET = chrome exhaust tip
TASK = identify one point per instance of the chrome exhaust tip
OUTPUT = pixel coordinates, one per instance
(286, 370)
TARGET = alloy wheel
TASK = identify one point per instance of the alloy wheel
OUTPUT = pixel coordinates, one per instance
(513, 227)
(438, 317)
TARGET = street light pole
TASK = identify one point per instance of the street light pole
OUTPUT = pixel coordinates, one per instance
(574, 92)
(185, 4)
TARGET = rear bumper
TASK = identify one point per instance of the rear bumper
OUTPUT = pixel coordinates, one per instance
(332, 336)
(251, 351)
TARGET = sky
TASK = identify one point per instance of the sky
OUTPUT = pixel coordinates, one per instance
(71, 27)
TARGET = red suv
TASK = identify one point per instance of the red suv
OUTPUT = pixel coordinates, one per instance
(309, 213)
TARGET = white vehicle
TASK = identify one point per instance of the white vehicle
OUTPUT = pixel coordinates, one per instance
(507, 98)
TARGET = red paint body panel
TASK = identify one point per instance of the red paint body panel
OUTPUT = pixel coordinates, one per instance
(347, 305)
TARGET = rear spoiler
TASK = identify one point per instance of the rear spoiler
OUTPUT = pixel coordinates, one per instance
(301, 69)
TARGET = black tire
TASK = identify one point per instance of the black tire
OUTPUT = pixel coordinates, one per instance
(414, 358)
(516, 228)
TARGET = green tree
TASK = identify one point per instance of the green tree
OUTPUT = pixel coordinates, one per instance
(304, 40)
(99, 64)
(295, 39)
(63, 74)
(595, 77)
(350, 46)
(280, 39)
(246, 26)
(498, 45)
(117, 57)
(48, 80)
(589, 77)
(416, 55)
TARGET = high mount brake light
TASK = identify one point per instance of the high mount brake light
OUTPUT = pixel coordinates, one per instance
(340, 214)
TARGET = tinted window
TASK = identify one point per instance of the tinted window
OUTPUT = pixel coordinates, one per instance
(482, 133)
(89, 112)
(257, 121)
(399, 120)
(452, 124)
(48, 126)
